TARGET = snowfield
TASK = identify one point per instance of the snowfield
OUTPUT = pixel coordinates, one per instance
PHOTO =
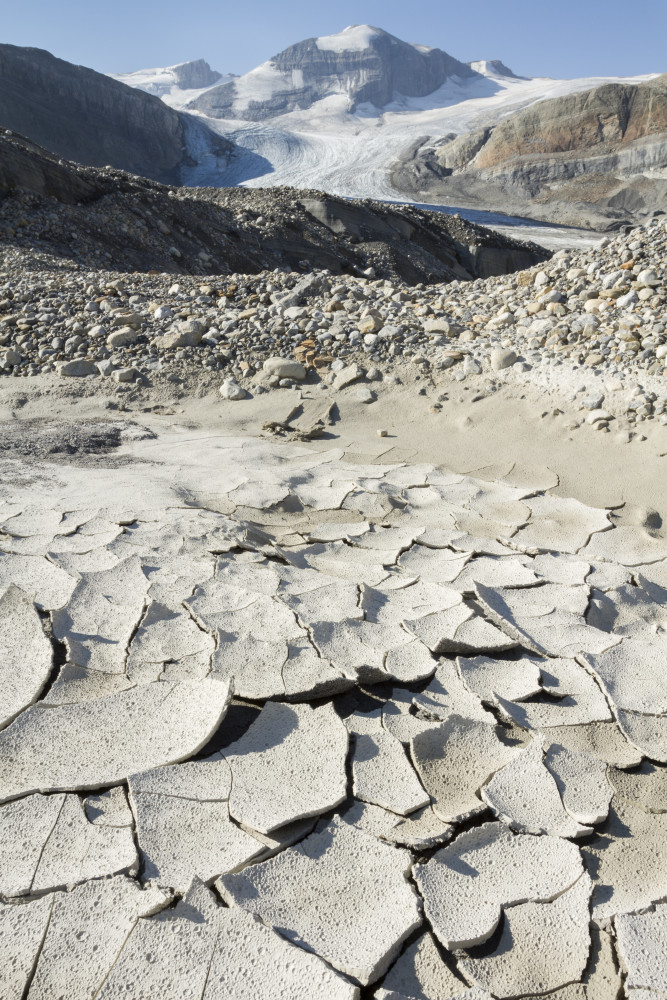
(350, 152)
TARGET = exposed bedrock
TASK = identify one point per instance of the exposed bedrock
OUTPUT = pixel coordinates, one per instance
(595, 159)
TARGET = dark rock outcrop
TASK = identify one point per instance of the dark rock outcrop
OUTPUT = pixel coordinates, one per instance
(109, 219)
(195, 74)
(305, 73)
(591, 158)
(86, 116)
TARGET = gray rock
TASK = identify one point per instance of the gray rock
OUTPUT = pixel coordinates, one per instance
(285, 368)
(502, 357)
(347, 376)
(232, 390)
(124, 337)
(78, 368)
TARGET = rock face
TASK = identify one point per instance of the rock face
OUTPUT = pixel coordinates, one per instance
(588, 158)
(193, 75)
(85, 116)
(365, 64)
(132, 222)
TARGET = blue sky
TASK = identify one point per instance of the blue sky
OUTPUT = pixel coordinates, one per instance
(561, 38)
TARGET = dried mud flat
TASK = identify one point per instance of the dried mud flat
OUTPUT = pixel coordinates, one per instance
(283, 720)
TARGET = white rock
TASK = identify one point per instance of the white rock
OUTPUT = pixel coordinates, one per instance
(26, 654)
(632, 675)
(289, 765)
(542, 947)
(421, 973)
(22, 930)
(582, 782)
(340, 893)
(383, 775)
(454, 760)
(502, 358)
(230, 389)
(508, 869)
(524, 795)
(627, 858)
(88, 929)
(515, 680)
(642, 945)
(102, 742)
(285, 368)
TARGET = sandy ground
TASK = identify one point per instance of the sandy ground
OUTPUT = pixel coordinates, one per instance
(516, 432)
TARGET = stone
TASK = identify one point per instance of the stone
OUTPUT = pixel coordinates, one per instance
(508, 869)
(514, 680)
(22, 931)
(347, 376)
(454, 760)
(88, 928)
(642, 945)
(625, 856)
(285, 368)
(125, 375)
(525, 796)
(188, 334)
(542, 947)
(289, 765)
(26, 655)
(183, 824)
(382, 774)
(78, 368)
(571, 698)
(421, 973)
(230, 389)
(582, 782)
(100, 743)
(341, 894)
(502, 358)
(102, 615)
(632, 676)
(126, 336)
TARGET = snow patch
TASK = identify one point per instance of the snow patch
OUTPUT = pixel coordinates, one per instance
(356, 38)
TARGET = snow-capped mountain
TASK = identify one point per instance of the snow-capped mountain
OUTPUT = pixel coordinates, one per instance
(363, 64)
(351, 113)
(176, 85)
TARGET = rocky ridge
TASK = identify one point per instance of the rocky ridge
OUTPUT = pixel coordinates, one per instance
(86, 116)
(595, 157)
(589, 322)
(366, 64)
(109, 218)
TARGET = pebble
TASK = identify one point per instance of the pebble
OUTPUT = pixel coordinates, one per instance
(502, 357)
(534, 325)
(232, 390)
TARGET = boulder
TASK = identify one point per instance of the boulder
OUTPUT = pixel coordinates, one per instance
(284, 368)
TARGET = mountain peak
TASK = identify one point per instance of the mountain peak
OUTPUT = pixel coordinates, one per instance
(362, 64)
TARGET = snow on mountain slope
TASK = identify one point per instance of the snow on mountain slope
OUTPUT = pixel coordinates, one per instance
(176, 85)
(350, 153)
(356, 38)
